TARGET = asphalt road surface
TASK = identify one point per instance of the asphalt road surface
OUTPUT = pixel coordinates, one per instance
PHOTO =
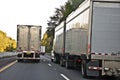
(44, 70)
(6, 60)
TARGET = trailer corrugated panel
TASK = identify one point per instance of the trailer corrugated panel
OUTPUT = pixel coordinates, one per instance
(28, 37)
(106, 27)
(75, 40)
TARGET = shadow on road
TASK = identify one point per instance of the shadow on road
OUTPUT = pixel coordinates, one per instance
(104, 78)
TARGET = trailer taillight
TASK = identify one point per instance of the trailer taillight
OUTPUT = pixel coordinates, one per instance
(79, 60)
(93, 53)
(99, 53)
(106, 53)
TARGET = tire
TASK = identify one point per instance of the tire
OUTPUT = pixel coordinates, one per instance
(19, 60)
(51, 60)
(83, 69)
(38, 61)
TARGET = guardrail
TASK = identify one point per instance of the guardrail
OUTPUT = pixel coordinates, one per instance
(6, 54)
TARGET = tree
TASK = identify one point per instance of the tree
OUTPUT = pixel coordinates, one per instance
(6, 43)
(47, 40)
(75, 3)
(61, 15)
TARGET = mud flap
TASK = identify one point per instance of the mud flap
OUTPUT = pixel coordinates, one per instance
(95, 73)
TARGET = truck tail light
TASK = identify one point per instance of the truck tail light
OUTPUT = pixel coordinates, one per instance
(79, 60)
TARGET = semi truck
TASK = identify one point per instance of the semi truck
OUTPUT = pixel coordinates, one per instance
(90, 39)
(28, 42)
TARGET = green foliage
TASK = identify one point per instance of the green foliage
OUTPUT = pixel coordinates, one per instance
(6, 43)
(60, 15)
(67, 10)
(63, 12)
(10, 48)
(76, 3)
(47, 40)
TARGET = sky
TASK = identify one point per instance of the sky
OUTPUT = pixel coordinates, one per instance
(26, 12)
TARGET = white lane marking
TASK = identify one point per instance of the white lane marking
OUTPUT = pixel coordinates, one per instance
(7, 66)
(49, 65)
(66, 78)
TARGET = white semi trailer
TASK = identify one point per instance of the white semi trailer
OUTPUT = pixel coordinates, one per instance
(90, 39)
(28, 42)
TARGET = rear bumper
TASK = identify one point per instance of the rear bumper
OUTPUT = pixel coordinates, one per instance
(28, 58)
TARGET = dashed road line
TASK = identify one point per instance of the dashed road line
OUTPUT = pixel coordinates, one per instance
(66, 78)
(7, 66)
(49, 65)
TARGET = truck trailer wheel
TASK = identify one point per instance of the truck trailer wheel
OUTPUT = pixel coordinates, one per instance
(37, 60)
(19, 60)
(51, 60)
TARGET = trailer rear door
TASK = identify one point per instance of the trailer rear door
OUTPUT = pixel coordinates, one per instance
(105, 27)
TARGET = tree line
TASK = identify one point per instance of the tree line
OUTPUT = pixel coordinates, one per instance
(59, 16)
(6, 43)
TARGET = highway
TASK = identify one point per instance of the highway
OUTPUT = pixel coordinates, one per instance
(44, 70)
(6, 60)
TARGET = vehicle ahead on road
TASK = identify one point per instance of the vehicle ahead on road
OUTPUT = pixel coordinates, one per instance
(28, 42)
(90, 39)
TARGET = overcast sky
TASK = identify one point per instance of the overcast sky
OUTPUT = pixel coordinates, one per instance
(33, 12)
